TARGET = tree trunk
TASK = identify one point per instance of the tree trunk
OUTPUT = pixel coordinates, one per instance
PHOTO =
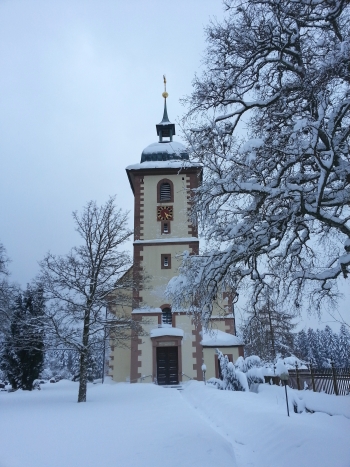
(84, 360)
(271, 329)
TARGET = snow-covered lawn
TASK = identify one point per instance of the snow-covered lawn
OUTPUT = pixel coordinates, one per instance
(146, 425)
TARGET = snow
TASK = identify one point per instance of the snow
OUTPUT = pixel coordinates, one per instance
(257, 426)
(217, 338)
(143, 424)
(169, 240)
(172, 164)
(146, 310)
(251, 144)
(166, 331)
(129, 425)
(281, 368)
(169, 147)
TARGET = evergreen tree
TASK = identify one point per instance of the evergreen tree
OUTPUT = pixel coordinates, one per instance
(301, 345)
(23, 355)
(319, 347)
(330, 345)
(344, 347)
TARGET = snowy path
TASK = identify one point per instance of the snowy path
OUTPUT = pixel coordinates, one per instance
(120, 425)
(263, 436)
(144, 425)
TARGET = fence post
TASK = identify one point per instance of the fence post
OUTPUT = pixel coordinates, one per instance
(334, 379)
(297, 372)
(312, 377)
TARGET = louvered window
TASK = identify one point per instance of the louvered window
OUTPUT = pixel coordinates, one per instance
(166, 316)
(165, 192)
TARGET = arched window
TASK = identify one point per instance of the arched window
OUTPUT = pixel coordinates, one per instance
(167, 316)
(165, 192)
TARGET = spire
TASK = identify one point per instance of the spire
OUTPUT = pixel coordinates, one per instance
(165, 95)
(165, 129)
(165, 114)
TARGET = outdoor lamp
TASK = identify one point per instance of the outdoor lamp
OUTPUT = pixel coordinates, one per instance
(284, 377)
(204, 369)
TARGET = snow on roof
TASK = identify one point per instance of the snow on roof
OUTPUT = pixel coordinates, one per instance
(172, 164)
(217, 338)
(169, 240)
(170, 147)
(145, 310)
(166, 331)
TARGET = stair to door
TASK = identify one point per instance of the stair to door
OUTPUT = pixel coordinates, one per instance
(179, 387)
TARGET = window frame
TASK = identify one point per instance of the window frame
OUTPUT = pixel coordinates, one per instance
(163, 256)
(162, 227)
(166, 311)
(165, 180)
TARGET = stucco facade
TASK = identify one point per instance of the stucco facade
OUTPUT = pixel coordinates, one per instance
(170, 348)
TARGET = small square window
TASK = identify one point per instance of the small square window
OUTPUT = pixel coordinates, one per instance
(165, 227)
(166, 261)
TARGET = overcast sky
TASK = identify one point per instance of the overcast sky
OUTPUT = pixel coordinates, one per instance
(81, 85)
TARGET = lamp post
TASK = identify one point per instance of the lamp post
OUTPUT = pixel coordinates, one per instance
(104, 349)
(234, 301)
(284, 377)
(204, 369)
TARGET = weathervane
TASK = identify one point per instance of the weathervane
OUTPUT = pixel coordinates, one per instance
(165, 94)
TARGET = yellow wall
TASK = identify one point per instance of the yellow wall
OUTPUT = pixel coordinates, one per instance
(153, 293)
(185, 322)
(146, 357)
(120, 363)
(179, 226)
(209, 358)
(158, 278)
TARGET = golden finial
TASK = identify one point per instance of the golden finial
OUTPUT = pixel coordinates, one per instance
(165, 94)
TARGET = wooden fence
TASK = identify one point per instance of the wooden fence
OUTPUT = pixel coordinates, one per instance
(329, 380)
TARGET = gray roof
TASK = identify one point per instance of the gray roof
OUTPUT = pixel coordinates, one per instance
(164, 151)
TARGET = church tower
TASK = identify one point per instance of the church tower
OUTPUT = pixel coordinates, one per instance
(169, 349)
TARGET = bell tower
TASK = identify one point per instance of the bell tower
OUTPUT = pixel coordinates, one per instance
(172, 347)
(162, 184)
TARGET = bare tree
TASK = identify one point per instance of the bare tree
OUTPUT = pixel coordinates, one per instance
(81, 284)
(274, 206)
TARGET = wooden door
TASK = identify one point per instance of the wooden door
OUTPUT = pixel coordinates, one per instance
(167, 365)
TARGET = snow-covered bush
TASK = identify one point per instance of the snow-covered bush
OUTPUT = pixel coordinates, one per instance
(66, 364)
(292, 361)
(252, 367)
(232, 378)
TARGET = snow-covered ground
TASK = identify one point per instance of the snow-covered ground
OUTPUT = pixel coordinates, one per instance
(146, 425)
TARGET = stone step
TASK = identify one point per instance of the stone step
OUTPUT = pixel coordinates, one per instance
(179, 387)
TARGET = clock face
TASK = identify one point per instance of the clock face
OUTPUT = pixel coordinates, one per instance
(164, 213)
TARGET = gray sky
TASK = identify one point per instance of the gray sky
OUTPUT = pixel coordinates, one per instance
(81, 85)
